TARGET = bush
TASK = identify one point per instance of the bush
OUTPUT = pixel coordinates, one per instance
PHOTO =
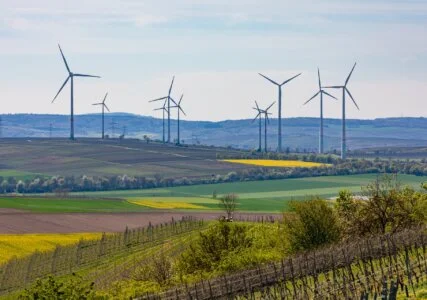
(214, 245)
(311, 224)
(51, 288)
(227, 247)
(158, 270)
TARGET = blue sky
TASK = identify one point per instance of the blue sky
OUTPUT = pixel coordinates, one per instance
(215, 49)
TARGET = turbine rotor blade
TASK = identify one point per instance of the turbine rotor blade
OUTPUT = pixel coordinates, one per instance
(314, 96)
(158, 99)
(348, 92)
(179, 107)
(180, 99)
(105, 105)
(85, 75)
(105, 97)
(65, 82)
(173, 101)
(256, 117)
(349, 75)
(326, 93)
(170, 88)
(97, 103)
(286, 81)
(270, 106)
(318, 75)
(272, 81)
(333, 87)
(65, 61)
(257, 106)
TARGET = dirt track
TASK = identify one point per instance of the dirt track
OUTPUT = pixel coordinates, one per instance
(15, 221)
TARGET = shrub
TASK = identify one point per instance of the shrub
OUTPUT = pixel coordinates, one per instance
(214, 245)
(51, 288)
(311, 224)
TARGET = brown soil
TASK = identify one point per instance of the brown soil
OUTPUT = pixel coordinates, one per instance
(15, 221)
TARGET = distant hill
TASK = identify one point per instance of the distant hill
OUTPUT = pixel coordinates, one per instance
(301, 133)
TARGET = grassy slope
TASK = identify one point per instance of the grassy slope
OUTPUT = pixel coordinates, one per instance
(49, 205)
(268, 196)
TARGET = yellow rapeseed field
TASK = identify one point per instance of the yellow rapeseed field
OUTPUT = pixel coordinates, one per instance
(20, 245)
(166, 205)
(276, 163)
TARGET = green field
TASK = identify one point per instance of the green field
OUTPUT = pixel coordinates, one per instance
(19, 175)
(254, 196)
(52, 205)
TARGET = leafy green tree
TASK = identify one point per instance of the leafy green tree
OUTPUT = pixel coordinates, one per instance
(384, 207)
(311, 224)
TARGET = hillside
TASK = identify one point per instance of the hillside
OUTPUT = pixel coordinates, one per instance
(301, 133)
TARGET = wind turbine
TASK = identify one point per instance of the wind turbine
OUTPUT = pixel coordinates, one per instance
(70, 77)
(344, 91)
(321, 92)
(164, 109)
(103, 107)
(266, 120)
(168, 99)
(259, 117)
(178, 106)
(279, 147)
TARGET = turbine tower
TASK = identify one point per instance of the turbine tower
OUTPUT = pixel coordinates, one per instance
(168, 99)
(279, 142)
(103, 107)
(321, 92)
(164, 109)
(70, 77)
(259, 117)
(344, 91)
(178, 106)
(266, 120)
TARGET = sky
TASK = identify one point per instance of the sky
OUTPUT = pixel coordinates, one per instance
(215, 49)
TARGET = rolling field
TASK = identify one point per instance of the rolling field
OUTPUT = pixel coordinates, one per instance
(63, 157)
(254, 196)
(269, 196)
(53, 205)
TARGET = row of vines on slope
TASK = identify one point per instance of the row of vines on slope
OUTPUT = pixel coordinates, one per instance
(374, 266)
(18, 273)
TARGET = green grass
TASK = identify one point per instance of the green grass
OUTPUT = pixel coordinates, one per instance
(19, 175)
(254, 196)
(262, 196)
(51, 205)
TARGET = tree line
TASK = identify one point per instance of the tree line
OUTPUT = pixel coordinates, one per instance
(65, 184)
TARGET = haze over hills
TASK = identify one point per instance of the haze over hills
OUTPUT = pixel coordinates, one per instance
(301, 133)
